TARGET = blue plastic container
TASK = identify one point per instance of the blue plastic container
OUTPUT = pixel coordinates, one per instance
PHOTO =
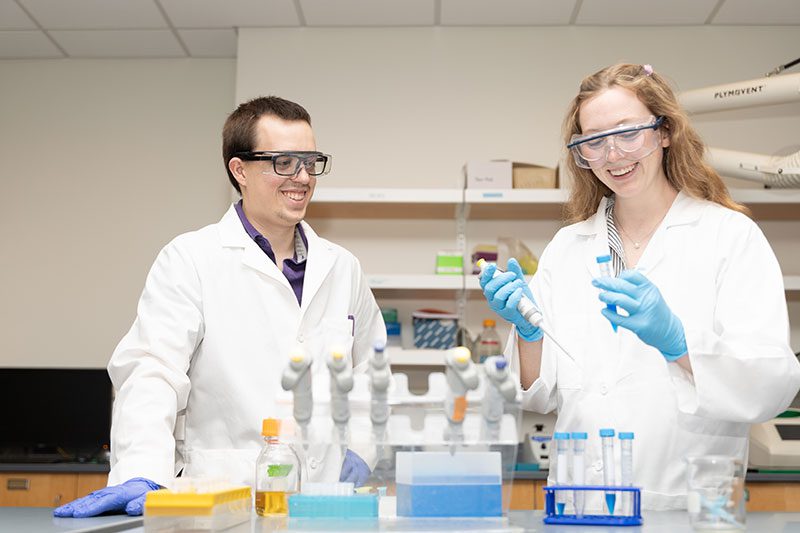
(467, 496)
(552, 517)
(355, 506)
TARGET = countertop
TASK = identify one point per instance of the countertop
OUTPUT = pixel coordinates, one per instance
(40, 520)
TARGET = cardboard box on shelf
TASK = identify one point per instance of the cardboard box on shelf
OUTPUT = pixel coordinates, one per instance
(505, 174)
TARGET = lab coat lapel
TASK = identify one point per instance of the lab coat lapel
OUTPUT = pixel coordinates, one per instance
(684, 210)
(319, 263)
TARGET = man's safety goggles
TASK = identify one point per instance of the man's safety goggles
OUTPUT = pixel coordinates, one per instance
(288, 164)
(632, 141)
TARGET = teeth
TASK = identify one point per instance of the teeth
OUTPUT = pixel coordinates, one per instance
(621, 171)
(295, 195)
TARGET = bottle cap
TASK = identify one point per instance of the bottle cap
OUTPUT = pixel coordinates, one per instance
(579, 435)
(626, 435)
(606, 432)
(271, 427)
(561, 435)
(489, 323)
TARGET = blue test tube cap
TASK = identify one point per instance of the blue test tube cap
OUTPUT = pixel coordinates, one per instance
(626, 435)
(579, 435)
(379, 346)
(561, 435)
(603, 258)
(606, 432)
(500, 363)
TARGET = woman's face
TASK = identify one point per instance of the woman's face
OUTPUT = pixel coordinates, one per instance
(622, 172)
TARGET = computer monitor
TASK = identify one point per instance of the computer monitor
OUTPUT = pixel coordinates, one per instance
(62, 412)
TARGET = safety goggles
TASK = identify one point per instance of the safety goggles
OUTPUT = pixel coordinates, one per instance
(288, 164)
(632, 141)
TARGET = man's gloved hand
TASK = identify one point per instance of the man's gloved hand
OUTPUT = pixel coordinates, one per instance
(354, 469)
(504, 293)
(128, 496)
(649, 316)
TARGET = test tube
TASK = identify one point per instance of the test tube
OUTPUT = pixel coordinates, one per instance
(579, 470)
(562, 466)
(604, 263)
(607, 439)
(626, 469)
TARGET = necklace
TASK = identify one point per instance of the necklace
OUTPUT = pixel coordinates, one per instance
(637, 243)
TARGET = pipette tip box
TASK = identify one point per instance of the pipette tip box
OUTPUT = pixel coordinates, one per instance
(166, 510)
(324, 506)
(554, 513)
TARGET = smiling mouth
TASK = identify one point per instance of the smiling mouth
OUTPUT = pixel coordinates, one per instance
(297, 196)
(621, 172)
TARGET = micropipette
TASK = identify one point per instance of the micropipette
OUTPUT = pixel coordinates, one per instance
(604, 262)
(341, 385)
(461, 377)
(501, 387)
(607, 438)
(380, 376)
(297, 378)
(528, 310)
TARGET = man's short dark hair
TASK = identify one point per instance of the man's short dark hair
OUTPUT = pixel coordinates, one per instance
(239, 132)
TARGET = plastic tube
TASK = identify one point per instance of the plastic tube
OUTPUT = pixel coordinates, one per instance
(607, 439)
(626, 468)
(579, 470)
(562, 469)
(604, 263)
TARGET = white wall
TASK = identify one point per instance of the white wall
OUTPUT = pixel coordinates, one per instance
(101, 164)
(406, 107)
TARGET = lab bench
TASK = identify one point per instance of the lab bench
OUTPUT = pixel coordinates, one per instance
(40, 520)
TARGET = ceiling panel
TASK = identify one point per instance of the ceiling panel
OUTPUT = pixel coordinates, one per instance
(95, 14)
(231, 13)
(369, 12)
(119, 43)
(644, 12)
(506, 12)
(210, 43)
(26, 44)
(768, 12)
(14, 18)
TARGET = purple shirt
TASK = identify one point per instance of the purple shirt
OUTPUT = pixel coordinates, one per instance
(294, 269)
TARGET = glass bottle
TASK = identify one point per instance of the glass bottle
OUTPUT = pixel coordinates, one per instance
(277, 472)
(488, 342)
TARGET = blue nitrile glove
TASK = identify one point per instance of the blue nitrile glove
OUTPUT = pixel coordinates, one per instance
(354, 469)
(504, 293)
(128, 496)
(649, 316)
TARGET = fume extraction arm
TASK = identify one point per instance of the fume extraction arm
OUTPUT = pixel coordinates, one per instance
(773, 171)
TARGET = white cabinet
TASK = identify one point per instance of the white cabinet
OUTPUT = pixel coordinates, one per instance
(409, 217)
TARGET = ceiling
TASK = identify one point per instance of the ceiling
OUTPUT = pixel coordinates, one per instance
(207, 28)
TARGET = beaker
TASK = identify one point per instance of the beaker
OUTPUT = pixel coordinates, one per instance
(715, 498)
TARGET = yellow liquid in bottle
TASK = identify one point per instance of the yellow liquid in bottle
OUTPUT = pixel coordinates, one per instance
(269, 503)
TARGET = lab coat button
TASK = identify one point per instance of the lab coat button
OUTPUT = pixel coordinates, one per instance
(300, 338)
(603, 389)
(598, 466)
(313, 463)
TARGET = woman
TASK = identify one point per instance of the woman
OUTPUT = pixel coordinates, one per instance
(699, 349)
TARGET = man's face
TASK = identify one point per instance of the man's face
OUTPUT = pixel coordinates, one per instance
(274, 202)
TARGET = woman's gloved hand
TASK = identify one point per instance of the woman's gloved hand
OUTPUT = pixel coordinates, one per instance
(649, 315)
(504, 293)
(354, 469)
(128, 496)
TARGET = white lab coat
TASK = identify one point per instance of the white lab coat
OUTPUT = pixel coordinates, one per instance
(719, 275)
(200, 367)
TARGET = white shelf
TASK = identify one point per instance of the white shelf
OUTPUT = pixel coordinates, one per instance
(388, 195)
(791, 283)
(385, 203)
(415, 357)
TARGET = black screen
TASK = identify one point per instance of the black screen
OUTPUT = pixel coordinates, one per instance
(788, 432)
(48, 409)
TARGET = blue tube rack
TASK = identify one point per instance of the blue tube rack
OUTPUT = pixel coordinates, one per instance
(552, 517)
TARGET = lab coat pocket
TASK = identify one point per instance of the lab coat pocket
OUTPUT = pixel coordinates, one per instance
(226, 464)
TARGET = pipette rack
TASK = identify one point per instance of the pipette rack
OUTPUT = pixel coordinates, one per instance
(552, 517)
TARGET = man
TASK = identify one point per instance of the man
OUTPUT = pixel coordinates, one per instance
(221, 309)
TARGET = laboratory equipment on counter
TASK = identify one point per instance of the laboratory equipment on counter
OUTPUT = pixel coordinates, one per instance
(380, 376)
(341, 385)
(501, 387)
(297, 378)
(277, 472)
(715, 496)
(488, 343)
(604, 263)
(461, 377)
(626, 467)
(551, 515)
(332, 500)
(579, 470)
(561, 440)
(775, 444)
(607, 440)
(529, 311)
(197, 505)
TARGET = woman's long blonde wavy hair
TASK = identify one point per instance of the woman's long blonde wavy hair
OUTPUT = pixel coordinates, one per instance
(684, 164)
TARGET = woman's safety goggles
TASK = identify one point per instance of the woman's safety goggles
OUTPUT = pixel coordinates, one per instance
(631, 141)
(288, 164)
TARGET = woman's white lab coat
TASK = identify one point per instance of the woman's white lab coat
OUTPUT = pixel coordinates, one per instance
(719, 275)
(200, 367)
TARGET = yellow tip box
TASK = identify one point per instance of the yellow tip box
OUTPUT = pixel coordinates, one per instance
(197, 508)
